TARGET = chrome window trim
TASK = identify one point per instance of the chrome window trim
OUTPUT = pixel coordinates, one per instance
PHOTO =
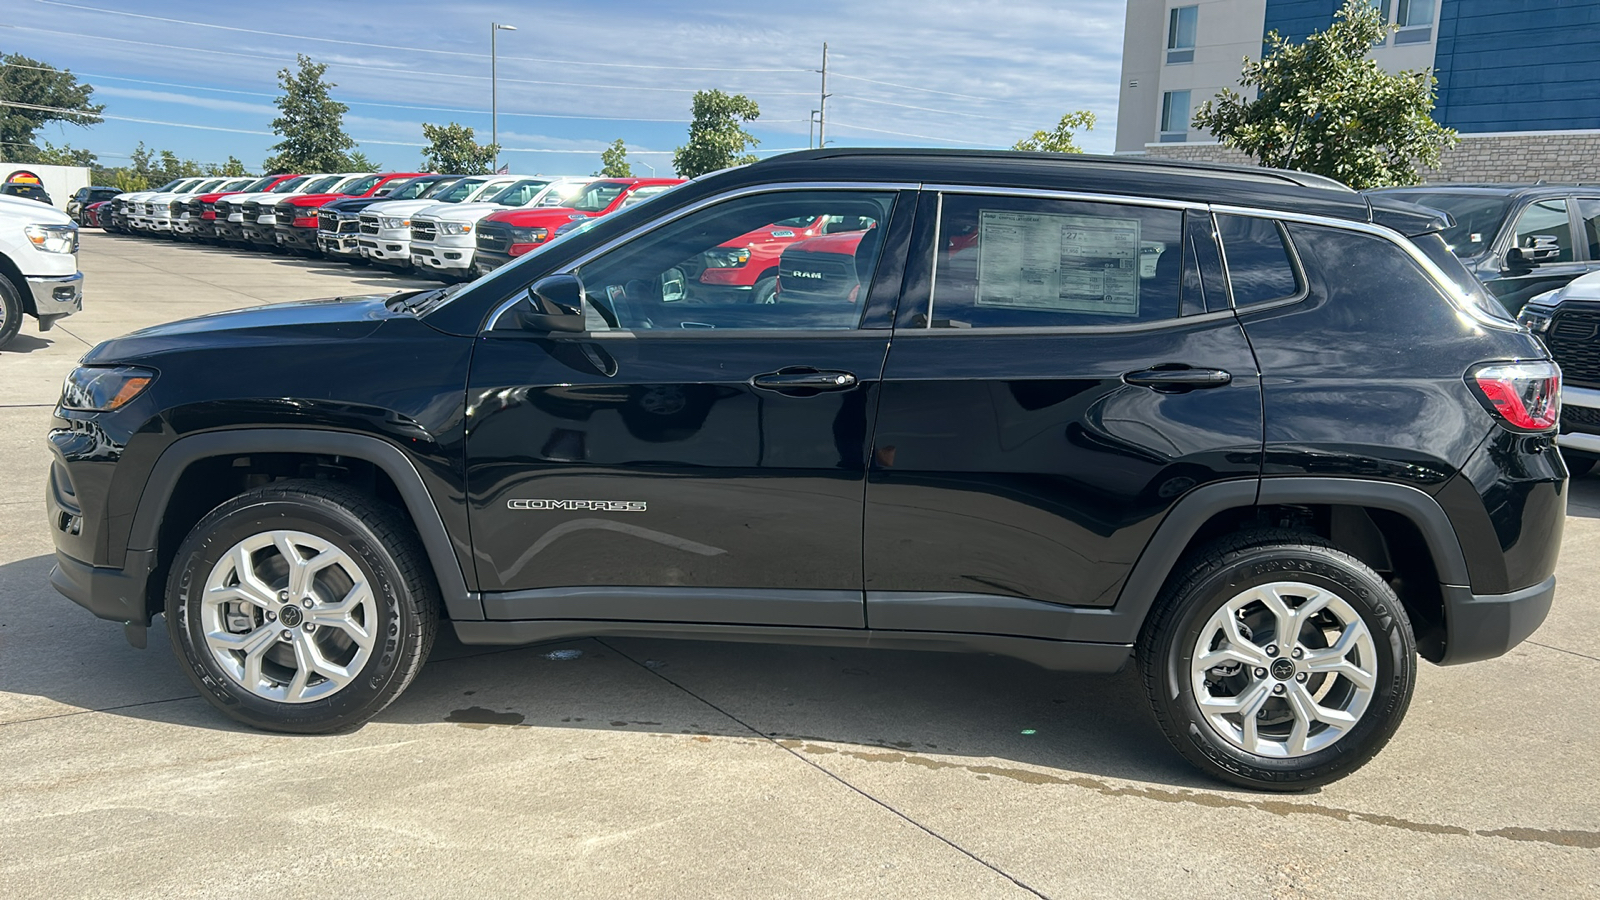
(1076, 196)
(1446, 286)
(642, 229)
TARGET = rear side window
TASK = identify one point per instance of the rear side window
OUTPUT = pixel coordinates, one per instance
(1375, 280)
(1023, 262)
(1260, 269)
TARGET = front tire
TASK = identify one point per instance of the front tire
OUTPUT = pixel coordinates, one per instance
(10, 312)
(1276, 662)
(302, 606)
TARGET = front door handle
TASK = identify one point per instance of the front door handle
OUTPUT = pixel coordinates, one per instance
(804, 381)
(1178, 380)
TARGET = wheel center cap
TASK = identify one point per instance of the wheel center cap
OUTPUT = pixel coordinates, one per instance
(291, 616)
(1282, 669)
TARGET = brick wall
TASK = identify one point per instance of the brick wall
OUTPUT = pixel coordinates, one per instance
(1551, 156)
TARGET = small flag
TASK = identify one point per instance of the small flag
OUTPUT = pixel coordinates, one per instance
(503, 170)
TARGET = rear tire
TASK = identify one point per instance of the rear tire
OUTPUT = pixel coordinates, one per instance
(302, 606)
(1254, 691)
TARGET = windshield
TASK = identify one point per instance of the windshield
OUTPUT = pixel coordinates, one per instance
(360, 186)
(291, 185)
(321, 185)
(489, 188)
(559, 194)
(518, 192)
(597, 196)
(260, 184)
(204, 186)
(411, 190)
(460, 190)
(1478, 217)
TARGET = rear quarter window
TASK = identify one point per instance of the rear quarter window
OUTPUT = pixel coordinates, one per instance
(1260, 269)
(1370, 277)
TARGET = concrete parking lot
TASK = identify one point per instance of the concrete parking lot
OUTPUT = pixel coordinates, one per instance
(668, 769)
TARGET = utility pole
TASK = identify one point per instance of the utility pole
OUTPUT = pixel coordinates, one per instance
(811, 129)
(494, 90)
(822, 112)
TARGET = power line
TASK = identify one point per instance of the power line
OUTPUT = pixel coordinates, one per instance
(306, 37)
(394, 69)
(910, 87)
(947, 112)
(926, 137)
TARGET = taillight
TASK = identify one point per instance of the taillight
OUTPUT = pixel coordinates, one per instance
(1525, 395)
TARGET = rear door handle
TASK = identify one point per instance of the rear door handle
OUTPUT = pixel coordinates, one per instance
(1177, 380)
(804, 380)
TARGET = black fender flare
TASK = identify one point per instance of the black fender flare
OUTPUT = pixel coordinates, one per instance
(460, 603)
(1143, 585)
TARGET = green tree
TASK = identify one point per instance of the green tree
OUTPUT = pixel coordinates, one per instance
(360, 163)
(233, 167)
(451, 148)
(1061, 140)
(65, 155)
(1323, 106)
(124, 179)
(614, 161)
(310, 122)
(717, 138)
(33, 93)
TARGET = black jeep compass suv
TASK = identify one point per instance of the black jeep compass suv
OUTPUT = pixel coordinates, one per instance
(1259, 434)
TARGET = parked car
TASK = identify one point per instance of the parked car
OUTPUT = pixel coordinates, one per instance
(187, 210)
(84, 196)
(824, 268)
(1519, 240)
(260, 211)
(339, 222)
(39, 274)
(159, 216)
(442, 238)
(504, 236)
(1568, 320)
(201, 210)
(386, 227)
(1018, 439)
(297, 218)
(230, 218)
(139, 209)
(25, 192)
(91, 213)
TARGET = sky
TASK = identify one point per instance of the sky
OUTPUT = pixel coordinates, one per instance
(199, 78)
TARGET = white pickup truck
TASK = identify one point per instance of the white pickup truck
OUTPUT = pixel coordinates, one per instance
(39, 273)
(442, 238)
(386, 226)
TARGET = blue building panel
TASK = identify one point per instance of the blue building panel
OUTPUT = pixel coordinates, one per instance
(1518, 65)
(1502, 65)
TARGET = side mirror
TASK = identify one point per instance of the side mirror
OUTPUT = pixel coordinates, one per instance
(1536, 249)
(555, 303)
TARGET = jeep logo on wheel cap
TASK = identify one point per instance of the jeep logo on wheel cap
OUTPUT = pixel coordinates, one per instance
(1282, 669)
(290, 616)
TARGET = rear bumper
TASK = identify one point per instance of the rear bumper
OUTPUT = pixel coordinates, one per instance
(1483, 626)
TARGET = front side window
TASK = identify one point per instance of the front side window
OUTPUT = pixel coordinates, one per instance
(1022, 262)
(460, 190)
(1181, 27)
(518, 192)
(1544, 226)
(1174, 114)
(1260, 269)
(1589, 212)
(722, 267)
(291, 185)
(411, 190)
(321, 185)
(361, 186)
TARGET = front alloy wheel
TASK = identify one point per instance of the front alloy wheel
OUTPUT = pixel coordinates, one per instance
(302, 606)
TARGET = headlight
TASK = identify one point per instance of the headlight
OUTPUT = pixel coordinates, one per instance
(529, 235)
(456, 227)
(53, 238)
(725, 258)
(1536, 320)
(103, 388)
(393, 222)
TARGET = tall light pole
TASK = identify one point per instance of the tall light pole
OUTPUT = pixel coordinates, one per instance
(494, 90)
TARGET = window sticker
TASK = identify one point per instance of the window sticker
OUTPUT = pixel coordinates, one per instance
(1087, 264)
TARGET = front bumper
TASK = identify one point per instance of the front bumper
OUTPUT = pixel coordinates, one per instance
(1580, 420)
(339, 244)
(1484, 626)
(394, 251)
(296, 238)
(57, 296)
(448, 259)
(115, 594)
(484, 262)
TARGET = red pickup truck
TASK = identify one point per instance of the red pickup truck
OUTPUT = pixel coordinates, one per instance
(503, 236)
(296, 218)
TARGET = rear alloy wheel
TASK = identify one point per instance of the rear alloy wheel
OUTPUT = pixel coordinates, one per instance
(765, 291)
(1278, 664)
(302, 606)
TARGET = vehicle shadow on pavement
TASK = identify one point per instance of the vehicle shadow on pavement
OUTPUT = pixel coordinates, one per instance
(1584, 499)
(26, 343)
(881, 705)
